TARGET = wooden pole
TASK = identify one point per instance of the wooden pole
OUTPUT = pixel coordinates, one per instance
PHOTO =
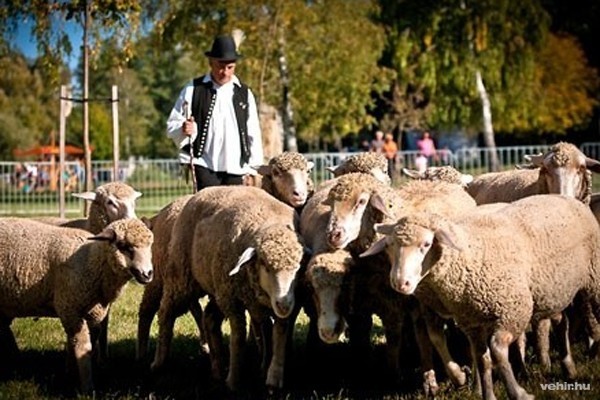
(86, 119)
(115, 114)
(61, 152)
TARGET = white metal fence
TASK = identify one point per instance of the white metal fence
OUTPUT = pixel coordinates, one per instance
(30, 189)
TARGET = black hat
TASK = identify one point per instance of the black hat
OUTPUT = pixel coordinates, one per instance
(223, 48)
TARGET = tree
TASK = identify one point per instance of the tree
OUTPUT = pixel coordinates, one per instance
(27, 106)
(331, 50)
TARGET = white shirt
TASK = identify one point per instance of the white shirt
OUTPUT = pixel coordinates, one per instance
(222, 149)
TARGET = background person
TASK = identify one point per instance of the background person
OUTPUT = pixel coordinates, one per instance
(217, 113)
(377, 142)
(426, 147)
(390, 150)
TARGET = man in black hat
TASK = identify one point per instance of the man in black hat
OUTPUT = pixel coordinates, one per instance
(215, 122)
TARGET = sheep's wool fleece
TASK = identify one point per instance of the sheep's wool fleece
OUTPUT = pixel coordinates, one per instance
(276, 250)
(363, 162)
(348, 184)
(287, 161)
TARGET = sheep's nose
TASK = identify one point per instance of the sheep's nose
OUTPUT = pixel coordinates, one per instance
(335, 237)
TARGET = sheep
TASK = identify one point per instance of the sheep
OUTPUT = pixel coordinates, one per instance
(367, 162)
(161, 225)
(238, 244)
(287, 177)
(494, 272)
(444, 173)
(72, 275)
(563, 169)
(109, 202)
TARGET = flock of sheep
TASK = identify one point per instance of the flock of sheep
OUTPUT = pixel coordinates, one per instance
(493, 255)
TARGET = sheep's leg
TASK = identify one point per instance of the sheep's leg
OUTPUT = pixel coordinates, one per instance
(561, 326)
(262, 331)
(237, 344)
(484, 385)
(275, 374)
(517, 352)
(103, 338)
(79, 345)
(196, 311)
(212, 320)
(435, 330)
(499, 346)
(541, 329)
(171, 307)
(393, 325)
(430, 385)
(148, 309)
(7, 338)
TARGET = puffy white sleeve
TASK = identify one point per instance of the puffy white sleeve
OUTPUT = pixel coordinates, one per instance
(177, 117)
(254, 135)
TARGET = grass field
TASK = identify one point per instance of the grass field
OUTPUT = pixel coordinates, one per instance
(329, 373)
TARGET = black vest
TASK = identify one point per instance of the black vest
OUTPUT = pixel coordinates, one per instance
(203, 102)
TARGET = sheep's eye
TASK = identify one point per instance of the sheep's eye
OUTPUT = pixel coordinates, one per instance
(125, 248)
(427, 244)
(111, 203)
(362, 201)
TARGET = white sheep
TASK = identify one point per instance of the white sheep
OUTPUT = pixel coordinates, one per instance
(161, 225)
(563, 169)
(286, 177)
(367, 163)
(71, 275)
(494, 272)
(109, 202)
(444, 173)
(238, 244)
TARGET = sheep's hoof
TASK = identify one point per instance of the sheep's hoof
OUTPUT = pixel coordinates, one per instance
(430, 385)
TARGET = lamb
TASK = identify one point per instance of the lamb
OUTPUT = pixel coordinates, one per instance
(368, 162)
(238, 244)
(287, 177)
(444, 173)
(563, 169)
(72, 275)
(536, 253)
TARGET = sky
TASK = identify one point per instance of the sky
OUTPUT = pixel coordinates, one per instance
(25, 42)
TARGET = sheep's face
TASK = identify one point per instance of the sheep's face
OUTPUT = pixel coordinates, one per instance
(132, 243)
(327, 278)
(279, 257)
(346, 219)
(292, 186)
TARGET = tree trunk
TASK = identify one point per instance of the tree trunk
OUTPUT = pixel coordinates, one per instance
(289, 129)
(488, 129)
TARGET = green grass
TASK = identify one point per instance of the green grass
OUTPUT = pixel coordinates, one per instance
(330, 373)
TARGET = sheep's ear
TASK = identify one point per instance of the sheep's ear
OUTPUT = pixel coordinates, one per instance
(244, 258)
(379, 204)
(445, 237)
(535, 159)
(90, 196)
(147, 221)
(384, 229)
(331, 169)
(465, 179)
(309, 165)
(411, 173)
(136, 194)
(107, 235)
(264, 170)
(592, 165)
(375, 248)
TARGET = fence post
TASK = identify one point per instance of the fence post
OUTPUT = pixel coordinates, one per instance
(115, 114)
(61, 151)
